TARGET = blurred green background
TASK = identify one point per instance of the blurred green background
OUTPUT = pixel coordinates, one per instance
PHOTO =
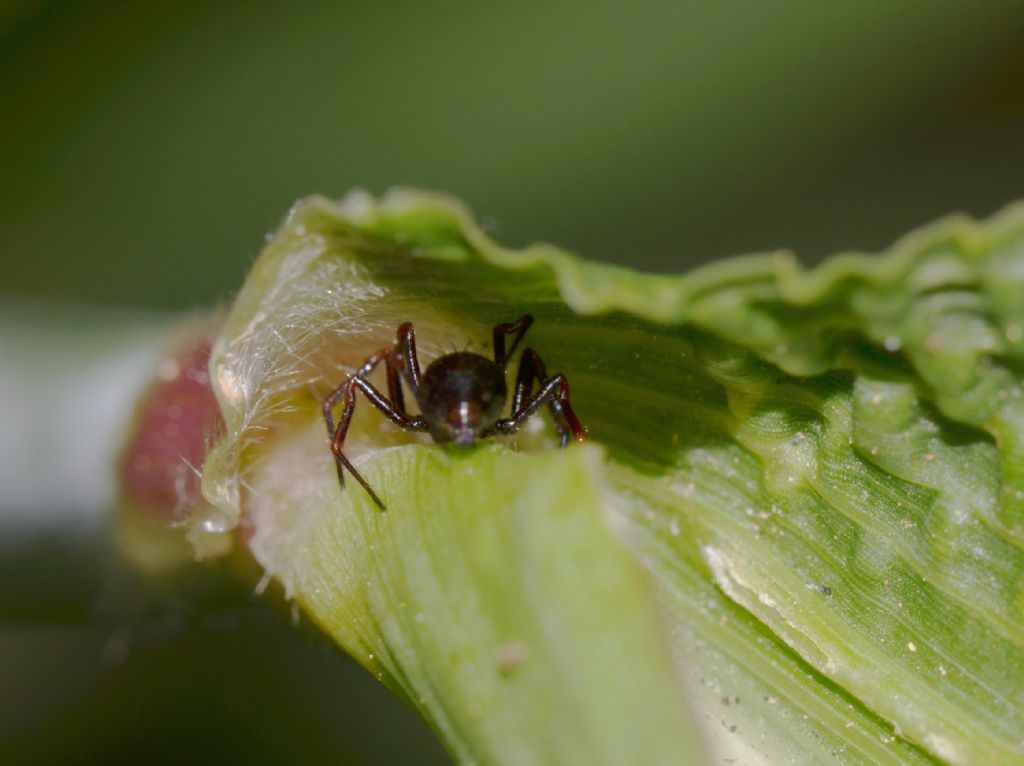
(148, 148)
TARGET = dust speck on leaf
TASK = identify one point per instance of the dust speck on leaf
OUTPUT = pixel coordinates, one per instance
(510, 656)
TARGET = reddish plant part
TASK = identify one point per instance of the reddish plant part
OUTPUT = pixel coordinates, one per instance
(176, 417)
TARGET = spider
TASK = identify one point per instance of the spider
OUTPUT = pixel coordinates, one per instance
(460, 395)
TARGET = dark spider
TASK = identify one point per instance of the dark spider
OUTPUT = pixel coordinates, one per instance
(461, 395)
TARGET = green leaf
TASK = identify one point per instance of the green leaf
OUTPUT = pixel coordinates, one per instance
(820, 474)
(487, 596)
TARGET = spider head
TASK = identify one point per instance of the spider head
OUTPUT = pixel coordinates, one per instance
(461, 395)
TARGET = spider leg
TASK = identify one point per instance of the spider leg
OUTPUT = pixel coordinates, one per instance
(554, 391)
(393, 409)
(395, 384)
(343, 391)
(531, 367)
(338, 439)
(404, 356)
(519, 328)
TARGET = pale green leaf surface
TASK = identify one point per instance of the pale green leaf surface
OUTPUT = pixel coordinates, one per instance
(541, 638)
(821, 472)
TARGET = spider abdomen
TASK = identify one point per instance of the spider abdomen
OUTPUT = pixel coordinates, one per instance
(460, 395)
